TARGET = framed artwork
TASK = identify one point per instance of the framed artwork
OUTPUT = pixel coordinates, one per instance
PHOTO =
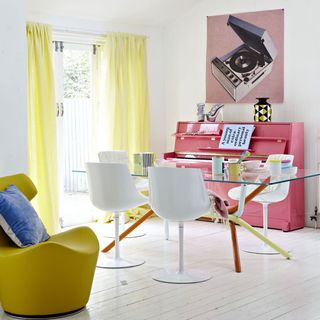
(245, 57)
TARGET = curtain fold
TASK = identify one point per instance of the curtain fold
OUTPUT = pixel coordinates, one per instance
(121, 101)
(42, 124)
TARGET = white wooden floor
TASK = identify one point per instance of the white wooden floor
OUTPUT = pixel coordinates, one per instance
(269, 287)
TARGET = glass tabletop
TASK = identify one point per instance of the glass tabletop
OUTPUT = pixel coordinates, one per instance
(265, 180)
(255, 180)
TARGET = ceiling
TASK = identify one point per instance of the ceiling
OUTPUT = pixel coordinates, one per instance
(140, 12)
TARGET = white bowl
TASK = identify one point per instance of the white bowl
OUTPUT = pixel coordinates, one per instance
(251, 164)
(291, 171)
(249, 176)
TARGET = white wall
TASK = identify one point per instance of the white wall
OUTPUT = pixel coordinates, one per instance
(13, 106)
(177, 69)
(155, 63)
(185, 61)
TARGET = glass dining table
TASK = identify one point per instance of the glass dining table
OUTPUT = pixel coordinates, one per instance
(236, 211)
(262, 184)
(262, 181)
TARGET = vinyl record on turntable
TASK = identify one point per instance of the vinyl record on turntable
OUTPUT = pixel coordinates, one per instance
(243, 61)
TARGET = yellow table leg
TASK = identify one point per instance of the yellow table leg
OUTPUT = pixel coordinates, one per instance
(256, 233)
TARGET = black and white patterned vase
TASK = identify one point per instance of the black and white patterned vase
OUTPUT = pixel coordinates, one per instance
(262, 110)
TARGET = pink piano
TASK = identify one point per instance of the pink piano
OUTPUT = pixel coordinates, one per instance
(197, 142)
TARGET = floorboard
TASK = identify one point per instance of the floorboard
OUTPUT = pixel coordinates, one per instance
(270, 287)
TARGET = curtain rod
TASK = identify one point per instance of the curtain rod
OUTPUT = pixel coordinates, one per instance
(66, 30)
(100, 36)
(73, 37)
(78, 43)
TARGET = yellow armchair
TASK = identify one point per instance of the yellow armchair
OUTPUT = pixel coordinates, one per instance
(50, 278)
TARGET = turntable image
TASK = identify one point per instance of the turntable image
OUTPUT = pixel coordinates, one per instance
(240, 70)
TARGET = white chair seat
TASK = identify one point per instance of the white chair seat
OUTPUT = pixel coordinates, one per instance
(114, 156)
(234, 193)
(134, 202)
(142, 184)
(263, 197)
(178, 195)
(111, 188)
(272, 194)
(121, 156)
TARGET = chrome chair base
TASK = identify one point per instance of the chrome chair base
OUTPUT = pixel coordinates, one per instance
(190, 276)
(260, 249)
(104, 261)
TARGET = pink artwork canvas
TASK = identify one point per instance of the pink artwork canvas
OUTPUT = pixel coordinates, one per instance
(245, 57)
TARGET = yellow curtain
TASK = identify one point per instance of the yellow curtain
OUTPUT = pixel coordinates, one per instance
(121, 112)
(42, 124)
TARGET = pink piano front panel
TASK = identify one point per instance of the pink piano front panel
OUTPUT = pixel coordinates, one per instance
(287, 215)
(198, 142)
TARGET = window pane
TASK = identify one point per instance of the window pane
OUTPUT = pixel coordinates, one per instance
(77, 74)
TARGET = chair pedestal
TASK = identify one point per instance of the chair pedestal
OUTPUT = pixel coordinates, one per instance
(185, 277)
(166, 229)
(259, 249)
(181, 276)
(134, 234)
(262, 248)
(105, 261)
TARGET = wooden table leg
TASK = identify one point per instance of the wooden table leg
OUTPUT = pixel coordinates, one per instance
(129, 230)
(233, 230)
(235, 247)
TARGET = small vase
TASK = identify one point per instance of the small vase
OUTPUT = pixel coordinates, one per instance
(200, 112)
(262, 110)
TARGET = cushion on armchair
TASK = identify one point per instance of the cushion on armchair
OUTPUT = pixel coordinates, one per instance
(19, 219)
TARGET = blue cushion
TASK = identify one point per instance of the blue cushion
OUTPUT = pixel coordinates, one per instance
(19, 219)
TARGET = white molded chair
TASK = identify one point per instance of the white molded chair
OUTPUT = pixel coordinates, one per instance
(272, 194)
(111, 188)
(121, 156)
(114, 156)
(178, 195)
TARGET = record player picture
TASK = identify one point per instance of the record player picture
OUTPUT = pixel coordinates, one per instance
(243, 68)
(239, 71)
